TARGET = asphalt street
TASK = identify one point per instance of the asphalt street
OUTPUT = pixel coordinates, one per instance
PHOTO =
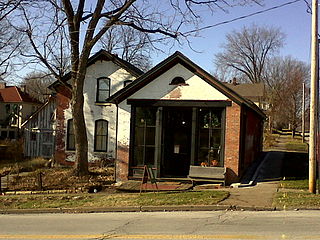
(164, 225)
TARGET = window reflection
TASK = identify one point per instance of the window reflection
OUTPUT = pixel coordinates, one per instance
(209, 138)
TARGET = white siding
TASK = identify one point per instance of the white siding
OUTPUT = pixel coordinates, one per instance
(94, 111)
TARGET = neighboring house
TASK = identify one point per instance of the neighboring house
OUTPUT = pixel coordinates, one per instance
(39, 131)
(106, 74)
(181, 116)
(15, 107)
(255, 92)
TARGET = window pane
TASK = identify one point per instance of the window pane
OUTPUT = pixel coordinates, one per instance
(139, 136)
(210, 118)
(71, 142)
(70, 135)
(138, 156)
(104, 84)
(146, 116)
(150, 135)
(103, 89)
(149, 157)
(209, 137)
(101, 135)
(144, 137)
(103, 95)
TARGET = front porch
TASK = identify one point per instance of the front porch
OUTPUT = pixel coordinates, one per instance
(171, 138)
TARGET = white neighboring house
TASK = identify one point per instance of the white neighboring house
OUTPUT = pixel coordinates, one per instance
(106, 74)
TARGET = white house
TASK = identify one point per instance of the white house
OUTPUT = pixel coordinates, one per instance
(106, 74)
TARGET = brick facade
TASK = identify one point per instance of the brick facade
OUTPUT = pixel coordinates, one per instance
(232, 142)
(122, 163)
(63, 101)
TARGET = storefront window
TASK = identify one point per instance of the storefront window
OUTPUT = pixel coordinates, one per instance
(144, 136)
(209, 137)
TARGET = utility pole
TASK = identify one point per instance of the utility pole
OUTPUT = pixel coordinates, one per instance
(313, 98)
(303, 110)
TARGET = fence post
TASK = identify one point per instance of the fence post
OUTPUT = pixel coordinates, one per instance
(39, 181)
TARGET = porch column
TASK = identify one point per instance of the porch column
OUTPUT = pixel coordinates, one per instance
(157, 150)
(193, 135)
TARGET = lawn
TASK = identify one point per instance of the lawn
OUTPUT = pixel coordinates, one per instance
(110, 200)
(294, 194)
(296, 200)
(296, 146)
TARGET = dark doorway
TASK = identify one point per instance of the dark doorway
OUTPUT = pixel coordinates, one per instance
(176, 143)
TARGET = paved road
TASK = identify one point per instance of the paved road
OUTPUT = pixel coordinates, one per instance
(164, 225)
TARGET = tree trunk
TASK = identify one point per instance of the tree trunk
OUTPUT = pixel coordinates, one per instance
(80, 132)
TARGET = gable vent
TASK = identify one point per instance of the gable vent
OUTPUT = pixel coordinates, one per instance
(178, 81)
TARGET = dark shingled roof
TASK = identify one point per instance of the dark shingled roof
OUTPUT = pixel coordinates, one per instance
(248, 90)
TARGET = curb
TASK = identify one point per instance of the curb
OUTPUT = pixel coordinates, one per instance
(137, 209)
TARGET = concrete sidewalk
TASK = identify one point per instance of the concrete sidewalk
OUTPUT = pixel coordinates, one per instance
(256, 197)
(260, 190)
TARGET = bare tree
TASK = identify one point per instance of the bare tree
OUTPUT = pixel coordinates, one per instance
(130, 45)
(10, 39)
(36, 85)
(84, 23)
(246, 52)
(284, 86)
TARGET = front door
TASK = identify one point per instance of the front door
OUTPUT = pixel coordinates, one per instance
(176, 144)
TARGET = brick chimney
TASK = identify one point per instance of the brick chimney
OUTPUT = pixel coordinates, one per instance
(234, 81)
(3, 85)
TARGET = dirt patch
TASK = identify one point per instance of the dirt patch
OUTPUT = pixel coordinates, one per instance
(61, 178)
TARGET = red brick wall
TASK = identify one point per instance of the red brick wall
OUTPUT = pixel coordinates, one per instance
(232, 142)
(60, 154)
(122, 163)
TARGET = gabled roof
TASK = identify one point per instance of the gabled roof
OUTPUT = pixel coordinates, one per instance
(13, 94)
(103, 55)
(168, 63)
(249, 90)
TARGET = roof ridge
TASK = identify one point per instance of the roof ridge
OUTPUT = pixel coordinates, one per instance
(19, 92)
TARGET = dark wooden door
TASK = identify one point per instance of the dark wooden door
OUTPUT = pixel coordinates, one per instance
(176, 142)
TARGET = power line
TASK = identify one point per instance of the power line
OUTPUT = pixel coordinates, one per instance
(242, 17)
(224, 22)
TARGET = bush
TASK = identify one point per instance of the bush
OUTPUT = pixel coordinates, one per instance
(32, 164)
(12, 151)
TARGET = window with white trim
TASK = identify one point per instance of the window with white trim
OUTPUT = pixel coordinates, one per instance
(103, 89)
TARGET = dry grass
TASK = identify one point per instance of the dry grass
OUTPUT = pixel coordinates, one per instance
(112, 200)
(269, 139)
(61, 178)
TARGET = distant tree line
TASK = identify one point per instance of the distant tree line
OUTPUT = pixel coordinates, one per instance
(251, 55)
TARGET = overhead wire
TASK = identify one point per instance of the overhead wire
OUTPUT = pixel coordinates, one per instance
(227, 21)
(242, 17)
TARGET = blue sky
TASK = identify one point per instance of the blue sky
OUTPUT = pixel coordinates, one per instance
(293, 20)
